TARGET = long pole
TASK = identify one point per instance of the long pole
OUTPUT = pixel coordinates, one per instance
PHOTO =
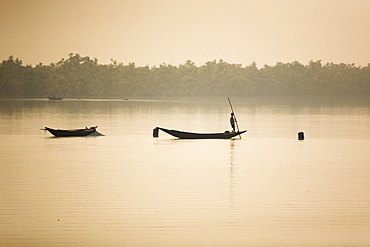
(232, 110)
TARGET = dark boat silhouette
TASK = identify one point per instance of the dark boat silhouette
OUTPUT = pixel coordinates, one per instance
(55, 98)
(74, 132)
(192, 135)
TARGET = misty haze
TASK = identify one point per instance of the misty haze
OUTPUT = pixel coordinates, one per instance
(184, 123)
(83, 77)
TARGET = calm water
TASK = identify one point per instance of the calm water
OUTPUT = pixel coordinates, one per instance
(129, 189)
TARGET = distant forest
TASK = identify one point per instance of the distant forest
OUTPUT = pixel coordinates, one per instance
(83, 77)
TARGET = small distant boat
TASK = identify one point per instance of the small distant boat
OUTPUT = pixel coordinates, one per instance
(75, 132)
(55, 98)
(192, 135)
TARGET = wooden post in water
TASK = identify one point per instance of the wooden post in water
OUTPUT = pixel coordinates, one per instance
(300, 136)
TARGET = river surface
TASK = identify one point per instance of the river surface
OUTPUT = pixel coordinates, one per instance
(129, 189)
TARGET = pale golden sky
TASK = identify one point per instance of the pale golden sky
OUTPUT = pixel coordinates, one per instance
(151, 32)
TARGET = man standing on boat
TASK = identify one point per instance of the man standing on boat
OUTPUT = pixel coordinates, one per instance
(232, 121)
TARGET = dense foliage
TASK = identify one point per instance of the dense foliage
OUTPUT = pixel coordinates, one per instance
(82, 77)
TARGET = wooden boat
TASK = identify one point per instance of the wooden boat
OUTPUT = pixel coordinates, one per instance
(68, 133)
(192, 135)
(55, 98)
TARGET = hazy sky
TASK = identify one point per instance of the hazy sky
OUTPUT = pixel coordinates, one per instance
(151, 32)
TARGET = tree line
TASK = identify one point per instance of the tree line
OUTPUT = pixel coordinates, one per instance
(83, 77)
